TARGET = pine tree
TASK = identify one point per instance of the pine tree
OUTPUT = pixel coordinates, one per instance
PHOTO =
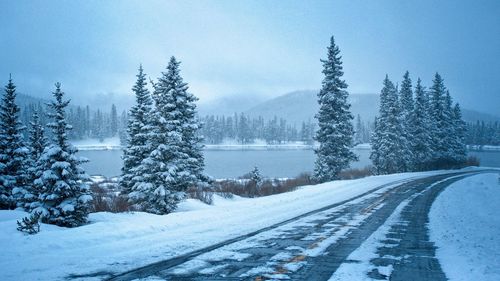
(335, 133)
(419, 130)
(358, 136)
(114, 121)
(37, 144)
(255, 183)
(458, 147)
(13, 152)
(64, 197)
(406, 107)
(442, 129)
(138, 127)
(388, 141)
(176, 161)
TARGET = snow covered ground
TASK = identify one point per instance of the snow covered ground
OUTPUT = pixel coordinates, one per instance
(124, 241)
(465, 226)
(119, 242)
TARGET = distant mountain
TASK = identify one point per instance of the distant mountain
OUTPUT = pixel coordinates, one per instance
(300, 106)
(227, 105)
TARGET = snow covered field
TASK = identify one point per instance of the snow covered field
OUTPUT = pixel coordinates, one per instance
(118, 242)
(465, 225)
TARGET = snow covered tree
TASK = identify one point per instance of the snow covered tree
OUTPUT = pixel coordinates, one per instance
(37, 144)
(255, 183)
(458, 147)
(138, 128)
(335, 133)
(114, 121)
(442, 128)
(406, 107)
(388, 150)
(419, 130)
(13, 152)
(176, 160)
(358, 136)
(64, 197)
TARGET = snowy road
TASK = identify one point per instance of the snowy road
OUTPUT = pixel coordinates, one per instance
(375, 235)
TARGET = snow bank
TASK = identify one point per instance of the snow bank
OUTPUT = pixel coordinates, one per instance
(119, 242)
(465, 225)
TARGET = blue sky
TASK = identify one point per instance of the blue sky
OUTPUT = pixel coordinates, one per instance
(261, 48)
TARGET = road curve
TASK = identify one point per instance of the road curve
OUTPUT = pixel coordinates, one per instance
(314, 245)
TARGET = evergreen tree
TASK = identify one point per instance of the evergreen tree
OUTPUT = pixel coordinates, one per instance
(439, 126)
(64, 197)
(13, 152)
(176, 161)
(335, 133)
(419, 130)
(114, 121)
(406, 107)
(388, 141)
(255, 183)
(138, 127)
(458, 147)
(358, 136)
(37, 144)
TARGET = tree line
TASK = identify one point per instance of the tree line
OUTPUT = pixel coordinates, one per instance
(483, 133)
(87, 122)
(417, 130)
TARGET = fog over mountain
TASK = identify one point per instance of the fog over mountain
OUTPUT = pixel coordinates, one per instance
(300, 106)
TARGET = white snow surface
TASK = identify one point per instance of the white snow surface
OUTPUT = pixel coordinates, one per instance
(120, 242)
(465, 226)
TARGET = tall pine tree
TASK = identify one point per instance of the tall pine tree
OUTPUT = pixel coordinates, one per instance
(406, 108)
(138, 128)
(37, 144)
(335, 133)
(13, 152)
(458, 147)
(64, 197)
(176, 161)
(419, 130)
(388, 140)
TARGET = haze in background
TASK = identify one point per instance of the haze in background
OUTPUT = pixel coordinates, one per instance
(256, 49)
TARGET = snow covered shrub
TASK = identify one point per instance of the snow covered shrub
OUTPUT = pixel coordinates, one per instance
(30, 224)
(105, 200)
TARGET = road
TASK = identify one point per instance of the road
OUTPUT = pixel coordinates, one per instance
(315, 245)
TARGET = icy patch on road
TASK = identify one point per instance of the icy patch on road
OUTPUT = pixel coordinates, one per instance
(465, 226)
(360, 265)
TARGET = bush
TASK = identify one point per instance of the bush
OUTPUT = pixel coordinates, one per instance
(108, 201)
(205, 195)
(472, 161)
(248, 188)
(30, 224)
(350, 174)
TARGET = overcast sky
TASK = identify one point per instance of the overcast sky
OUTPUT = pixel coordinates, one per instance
(262, 48)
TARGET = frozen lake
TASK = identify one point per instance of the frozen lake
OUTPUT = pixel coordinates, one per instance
(234, 163)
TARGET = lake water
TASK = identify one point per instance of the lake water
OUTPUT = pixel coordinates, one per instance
(234, 163)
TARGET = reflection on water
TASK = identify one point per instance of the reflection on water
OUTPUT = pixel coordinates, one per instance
(234, 163)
